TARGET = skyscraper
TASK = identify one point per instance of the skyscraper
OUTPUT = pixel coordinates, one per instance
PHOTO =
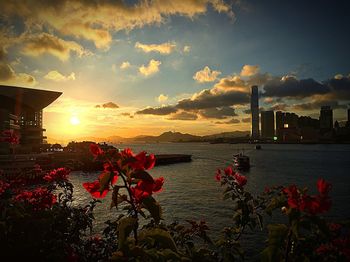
(267, 124)
(254, 107)
(326, 119)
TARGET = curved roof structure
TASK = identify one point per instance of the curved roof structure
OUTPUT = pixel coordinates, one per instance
(33, 98)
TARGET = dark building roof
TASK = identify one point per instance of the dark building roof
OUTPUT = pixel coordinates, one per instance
(28, 97)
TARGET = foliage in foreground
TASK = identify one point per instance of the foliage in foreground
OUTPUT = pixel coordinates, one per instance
(40, 220)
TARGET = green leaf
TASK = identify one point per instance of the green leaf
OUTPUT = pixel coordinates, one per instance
(115, 197)
(153, 207)
(125, 226)
(141, 174)
(105, 179)
(161, 236)
(277, 236)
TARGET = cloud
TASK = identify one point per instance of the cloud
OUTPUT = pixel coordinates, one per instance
(218, 113)
(289, 86)
(231, 121)
(209, 99)
(183, 115)
(58, 77)
(36, 45)
(151, 68)
(250, 70)
(9, 76)
(316, 105)
(164, 110)
(96, 20)
(206, 75)
(187, 49)
(125, 65)
(246, 120)
(109, 105)
(164, 49)
(339, 87)
(162, 98)
(279, 107)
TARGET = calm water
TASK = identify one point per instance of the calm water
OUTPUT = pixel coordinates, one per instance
(192, 193)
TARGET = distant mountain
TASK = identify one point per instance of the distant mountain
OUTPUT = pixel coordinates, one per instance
(234, 134)
(163, 138)
(169, 137)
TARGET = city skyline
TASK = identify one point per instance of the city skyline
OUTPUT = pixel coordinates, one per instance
(147, 67)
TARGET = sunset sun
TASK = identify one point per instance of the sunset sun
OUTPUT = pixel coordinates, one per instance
(74, 120)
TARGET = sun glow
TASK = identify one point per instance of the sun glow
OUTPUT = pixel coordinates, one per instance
(74, 120)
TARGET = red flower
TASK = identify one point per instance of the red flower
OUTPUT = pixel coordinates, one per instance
(150, 162)
(218, 175)
(293, 196)
(126, 153)
(142, 161)
(94, 189)
(57, 174)
(335, 227)
(3, 187)
(228, 171)
(158, 184)
(323, 187)
(95, 150)
(10, 136)
(241, 180)
(144, 189)
(40, 198)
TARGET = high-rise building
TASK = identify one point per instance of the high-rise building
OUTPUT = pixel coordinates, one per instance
(267, 124)
(326, 119)
(254, 107)
(286, 126)
(21, 113)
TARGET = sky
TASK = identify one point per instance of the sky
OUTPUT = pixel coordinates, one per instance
(128, 68)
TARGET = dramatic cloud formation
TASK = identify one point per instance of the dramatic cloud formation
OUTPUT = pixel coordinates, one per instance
(58, 77)
(183, 115)
(164, 110)
(95, 20)
(151, 68)
(250, 70)
(317, 103)
(162, 98)
(206, 75)
(209, 99)
(229, 122)
(165, 48)
(110, 105)
(9, 76)
(291, 87)
(246, 120)
(125, 65)
(339, 86)
(218, 113)
(36, 45)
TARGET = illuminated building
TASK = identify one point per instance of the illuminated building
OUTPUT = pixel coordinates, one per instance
(21, 112)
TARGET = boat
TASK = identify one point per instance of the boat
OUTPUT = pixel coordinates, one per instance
(241, 161)
(258, 147)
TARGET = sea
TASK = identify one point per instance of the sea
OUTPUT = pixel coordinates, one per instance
(192, 193)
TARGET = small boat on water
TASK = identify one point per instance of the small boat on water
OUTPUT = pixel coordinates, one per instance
(241, 161)
(258, 147)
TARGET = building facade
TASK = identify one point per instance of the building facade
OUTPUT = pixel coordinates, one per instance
(254, 107)
(21, 113)
(326, 119)
(267, 124)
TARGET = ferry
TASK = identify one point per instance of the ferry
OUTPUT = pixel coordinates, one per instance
(241, 162)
